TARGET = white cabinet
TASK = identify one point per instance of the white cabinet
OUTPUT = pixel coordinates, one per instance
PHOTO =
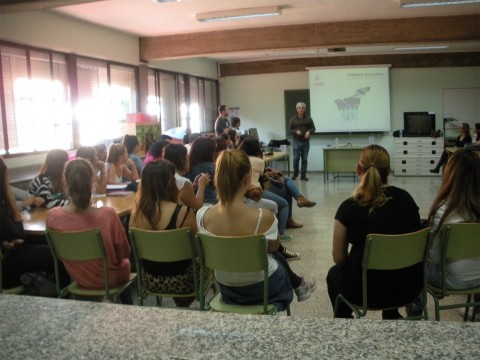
(415, 156)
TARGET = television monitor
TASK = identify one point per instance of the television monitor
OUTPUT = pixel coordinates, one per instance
(420, 123)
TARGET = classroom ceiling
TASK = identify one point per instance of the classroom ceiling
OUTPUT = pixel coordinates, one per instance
(175, 21)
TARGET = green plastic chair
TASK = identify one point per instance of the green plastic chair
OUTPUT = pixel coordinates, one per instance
(10, 291)
(459, 241)
(235, 254)
(82, 246)
(164, 246)
(391, 252)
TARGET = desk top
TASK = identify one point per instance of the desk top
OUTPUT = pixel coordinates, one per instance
(453, 149)
(43, 328)
(345, 147)
(34, 221)
(277, 155)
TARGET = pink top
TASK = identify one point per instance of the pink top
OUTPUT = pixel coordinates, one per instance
(89, 274)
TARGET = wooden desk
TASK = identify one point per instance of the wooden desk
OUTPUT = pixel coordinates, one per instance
(34, 221)
(340, 159)
(54, 329)
(278, 156)
(451, 150)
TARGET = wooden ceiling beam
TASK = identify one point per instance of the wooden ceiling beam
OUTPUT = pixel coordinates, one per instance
(345, 33)
(395, 60)
(11, 6)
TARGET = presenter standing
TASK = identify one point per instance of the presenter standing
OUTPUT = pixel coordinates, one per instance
(222, 124)
(301, 126)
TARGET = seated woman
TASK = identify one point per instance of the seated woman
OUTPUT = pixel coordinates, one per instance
(252, 148)
(157, 208)
(232, 217)
(463, 139)
(49, 183)
(99, 177)
(457, 200)
(79, 215)
(156, 151)
(191, 194)
(19, 258)
(132, 145)
(285, 187)
(375, 207)
(119, 167)
(200, 157)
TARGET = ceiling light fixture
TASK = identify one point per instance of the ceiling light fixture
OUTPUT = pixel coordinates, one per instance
(239, 14)
(422, 3)
(438, 47)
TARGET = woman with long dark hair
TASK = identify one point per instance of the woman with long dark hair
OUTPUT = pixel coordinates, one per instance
(49, 183)
(157, 208)
(192, 194)
(202, 152)
(457, 200)
(19, 257)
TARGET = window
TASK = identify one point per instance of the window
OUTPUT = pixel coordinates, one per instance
(106, 94)
(182, 100)
(36, 113)
(52, 100)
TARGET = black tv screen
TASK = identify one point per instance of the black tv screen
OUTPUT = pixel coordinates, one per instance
(418, 124)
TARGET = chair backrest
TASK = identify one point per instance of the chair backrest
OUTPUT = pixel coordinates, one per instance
(461, 241)
(394, 252)
(162, 246)
(77, 246)
(391, 252)
(233, 253)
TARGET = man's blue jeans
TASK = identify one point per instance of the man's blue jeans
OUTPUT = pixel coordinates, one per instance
(300, 150)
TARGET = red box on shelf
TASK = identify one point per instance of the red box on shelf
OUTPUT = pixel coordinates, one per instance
(140, 118)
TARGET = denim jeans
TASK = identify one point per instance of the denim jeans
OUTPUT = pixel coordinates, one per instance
(300, 150)
(282, 214)
(288, 191)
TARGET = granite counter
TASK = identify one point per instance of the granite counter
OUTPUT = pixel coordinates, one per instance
(42, 328)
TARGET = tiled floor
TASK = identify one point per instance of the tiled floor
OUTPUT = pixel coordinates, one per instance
(314, 240)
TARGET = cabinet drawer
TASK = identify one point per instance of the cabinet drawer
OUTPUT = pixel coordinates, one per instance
(418, 152)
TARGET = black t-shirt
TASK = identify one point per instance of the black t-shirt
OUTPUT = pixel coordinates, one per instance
(398, 215)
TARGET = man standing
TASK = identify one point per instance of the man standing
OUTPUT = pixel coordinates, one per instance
(222, 122)
(301, 126)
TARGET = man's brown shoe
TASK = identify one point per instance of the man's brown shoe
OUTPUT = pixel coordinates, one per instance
(292, 224)
(303, 202)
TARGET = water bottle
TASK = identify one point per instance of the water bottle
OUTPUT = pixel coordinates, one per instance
(373, 139)
(336, 141)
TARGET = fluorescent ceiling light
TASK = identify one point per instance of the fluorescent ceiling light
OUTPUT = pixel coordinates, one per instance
(239, 14)
(421, 3)
(422, 48)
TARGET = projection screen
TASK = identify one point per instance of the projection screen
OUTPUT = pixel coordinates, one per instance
(347, 99)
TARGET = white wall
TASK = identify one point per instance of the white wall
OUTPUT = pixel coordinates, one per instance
(49, 30)
(199, 67)
(261, 102)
